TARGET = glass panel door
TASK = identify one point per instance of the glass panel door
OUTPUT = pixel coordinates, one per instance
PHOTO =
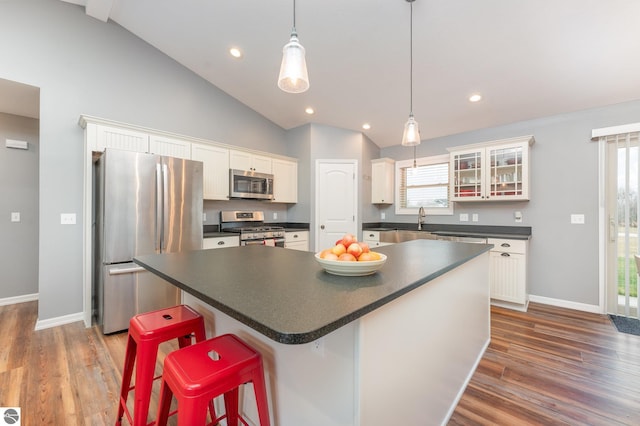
(622, 210)
(467, 174)
(506, 172)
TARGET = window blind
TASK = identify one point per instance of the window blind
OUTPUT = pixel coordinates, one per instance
(425, 186)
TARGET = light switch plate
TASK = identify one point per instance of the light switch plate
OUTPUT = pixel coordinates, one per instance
(383, 216)
(464, 217)
(577, 219)
(15, 216)
(67, 218)
(474, 217)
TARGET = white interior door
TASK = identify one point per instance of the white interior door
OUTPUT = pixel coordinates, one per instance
(336, 201)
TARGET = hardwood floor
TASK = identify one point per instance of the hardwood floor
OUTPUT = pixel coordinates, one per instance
(554, 366)
(547, 366)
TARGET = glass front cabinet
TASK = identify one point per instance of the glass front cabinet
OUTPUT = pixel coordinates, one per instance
(492, 171)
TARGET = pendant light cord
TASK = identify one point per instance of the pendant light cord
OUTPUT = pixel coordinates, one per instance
(294, 16)
(410, 59)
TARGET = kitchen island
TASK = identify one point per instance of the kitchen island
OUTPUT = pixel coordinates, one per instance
(395, 347)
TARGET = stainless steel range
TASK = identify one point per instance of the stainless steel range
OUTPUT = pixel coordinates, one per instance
(251, 228)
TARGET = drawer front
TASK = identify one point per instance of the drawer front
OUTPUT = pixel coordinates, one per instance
(508, 246)
(220, 242)
(371, 235)
(292, 237)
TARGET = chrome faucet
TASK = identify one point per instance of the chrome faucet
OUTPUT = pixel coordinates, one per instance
(421, 216)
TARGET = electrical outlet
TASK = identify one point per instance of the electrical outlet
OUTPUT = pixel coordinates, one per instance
(317, 347)
(15, 216)
(204, 217)
(474, 217)
(464, 217)
(383, 216)
(275, 215)
(518, 217)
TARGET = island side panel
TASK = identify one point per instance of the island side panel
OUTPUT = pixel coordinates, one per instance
(305, 385)
(417, 354)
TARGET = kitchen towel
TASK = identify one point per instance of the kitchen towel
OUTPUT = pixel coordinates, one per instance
(270, 243)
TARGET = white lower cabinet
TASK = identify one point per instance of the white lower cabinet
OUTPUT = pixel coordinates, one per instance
(373, 239)
(220, 242)
(508, 273)
(298, 240)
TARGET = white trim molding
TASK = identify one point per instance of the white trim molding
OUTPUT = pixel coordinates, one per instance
(18, 299)
(595, 309)
(54, 322)
(614, 130)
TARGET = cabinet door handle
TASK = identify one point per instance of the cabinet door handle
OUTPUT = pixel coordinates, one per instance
(220, 243)
(505, 245)
(612, 230)
(295, 235)
(371, 235)
(505, 254)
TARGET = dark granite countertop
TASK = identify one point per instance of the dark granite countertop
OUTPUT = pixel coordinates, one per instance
(482, 231)
(218, 234)
(288, 297)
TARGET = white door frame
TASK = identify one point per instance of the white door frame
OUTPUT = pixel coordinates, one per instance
(316, 207)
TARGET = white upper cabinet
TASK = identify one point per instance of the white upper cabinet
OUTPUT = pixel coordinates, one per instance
(382, 175)
(492, 171)
(215, 170)
(285, 181)
(242, 160)
(117, 138)
(170, 147)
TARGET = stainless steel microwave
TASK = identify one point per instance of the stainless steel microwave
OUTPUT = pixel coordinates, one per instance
(250, 184)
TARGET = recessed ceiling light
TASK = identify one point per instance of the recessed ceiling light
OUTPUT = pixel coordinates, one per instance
(235, 52)
(475, 97)
(366, 126)
(309, 110)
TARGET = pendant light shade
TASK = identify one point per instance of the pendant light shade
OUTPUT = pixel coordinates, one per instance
(411, 135)
(293, 76)
(293, 70)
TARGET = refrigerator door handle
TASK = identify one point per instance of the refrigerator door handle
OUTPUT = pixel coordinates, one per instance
(165, 206)
(159, 218)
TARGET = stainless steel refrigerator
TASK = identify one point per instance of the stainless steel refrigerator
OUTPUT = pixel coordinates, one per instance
(144, 204)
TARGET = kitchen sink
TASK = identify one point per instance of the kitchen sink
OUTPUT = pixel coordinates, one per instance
(400, 236)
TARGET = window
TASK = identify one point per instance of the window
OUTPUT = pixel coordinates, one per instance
(426, 185)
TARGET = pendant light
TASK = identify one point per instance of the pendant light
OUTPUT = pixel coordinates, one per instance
(293, 76)
(411, 135)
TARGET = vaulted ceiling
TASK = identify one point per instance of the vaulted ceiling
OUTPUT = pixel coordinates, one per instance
(527, 58)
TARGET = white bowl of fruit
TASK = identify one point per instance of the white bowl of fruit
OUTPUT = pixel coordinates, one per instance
(350, 258)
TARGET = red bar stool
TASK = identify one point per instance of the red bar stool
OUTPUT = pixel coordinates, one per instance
(201, 372)
(146, 332)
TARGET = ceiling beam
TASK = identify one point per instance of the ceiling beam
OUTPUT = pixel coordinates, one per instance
(99, 9)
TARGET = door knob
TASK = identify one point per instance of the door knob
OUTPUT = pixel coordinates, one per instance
(321, 226)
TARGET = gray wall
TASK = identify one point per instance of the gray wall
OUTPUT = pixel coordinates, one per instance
(564, 180)
(84, 66)
(19, 193)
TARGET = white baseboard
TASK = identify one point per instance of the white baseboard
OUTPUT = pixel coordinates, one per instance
(595, 309)
(54, 322)
(18, 299)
